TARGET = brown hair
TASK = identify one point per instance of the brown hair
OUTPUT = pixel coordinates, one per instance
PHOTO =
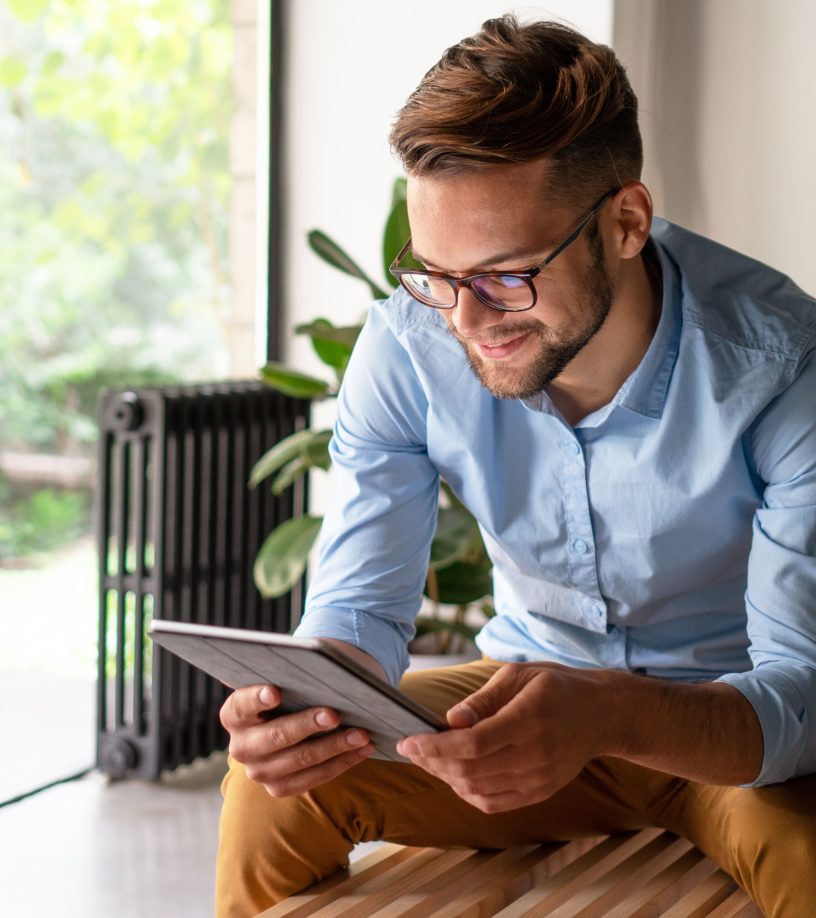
(514, 93)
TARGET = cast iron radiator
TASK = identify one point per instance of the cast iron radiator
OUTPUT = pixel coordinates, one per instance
(178, 531)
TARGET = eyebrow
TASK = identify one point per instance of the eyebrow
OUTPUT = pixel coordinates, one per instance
(500, 258)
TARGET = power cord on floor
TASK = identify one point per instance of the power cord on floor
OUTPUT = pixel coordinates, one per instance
(37, 790)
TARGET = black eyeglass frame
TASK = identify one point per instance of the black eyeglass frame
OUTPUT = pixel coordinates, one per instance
(526, 276)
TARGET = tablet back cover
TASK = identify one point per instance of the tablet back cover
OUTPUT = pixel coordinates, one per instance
(306, 678)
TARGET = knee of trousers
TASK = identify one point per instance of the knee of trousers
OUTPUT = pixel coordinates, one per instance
(771, 838)
(254, 823)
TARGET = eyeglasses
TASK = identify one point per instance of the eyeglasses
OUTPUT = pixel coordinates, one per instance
(511, 291)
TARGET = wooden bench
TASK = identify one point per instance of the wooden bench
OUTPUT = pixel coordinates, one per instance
(648, 874)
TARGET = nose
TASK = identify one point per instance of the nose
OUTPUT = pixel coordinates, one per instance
(470, 316)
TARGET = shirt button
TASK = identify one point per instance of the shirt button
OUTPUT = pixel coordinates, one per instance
(575, 448)
(580, 546)
(596, 609)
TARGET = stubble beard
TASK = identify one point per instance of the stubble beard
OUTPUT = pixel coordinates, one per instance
(555, 352)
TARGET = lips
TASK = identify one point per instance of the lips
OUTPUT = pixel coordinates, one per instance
(505, 349)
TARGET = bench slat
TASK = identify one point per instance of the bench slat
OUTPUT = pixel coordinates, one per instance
(646, 874)
(701, 902)
(550, 895)
(667, 888)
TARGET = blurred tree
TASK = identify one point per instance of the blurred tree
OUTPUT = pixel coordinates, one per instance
(114, 188)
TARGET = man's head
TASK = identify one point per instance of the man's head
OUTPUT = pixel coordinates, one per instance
(509, 142)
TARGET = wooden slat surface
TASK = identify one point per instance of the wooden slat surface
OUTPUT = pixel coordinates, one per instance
(648, 874)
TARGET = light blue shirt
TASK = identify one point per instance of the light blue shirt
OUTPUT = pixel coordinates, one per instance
(673, 530)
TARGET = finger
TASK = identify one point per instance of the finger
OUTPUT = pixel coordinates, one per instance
(302, 781)
(244, 706)
(502, 763)
(501, 688)
(466, 743)
(306, 755)
(268, 737)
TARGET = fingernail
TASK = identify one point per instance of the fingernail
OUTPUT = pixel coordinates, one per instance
(355, 738)
(266, 696)
(407, 748)
(365, 750)
(324, 719)
(465, 713)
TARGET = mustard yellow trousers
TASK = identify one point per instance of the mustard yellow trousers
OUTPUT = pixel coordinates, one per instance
(271, 848)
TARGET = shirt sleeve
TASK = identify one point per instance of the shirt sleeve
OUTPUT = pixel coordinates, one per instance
(375, 540)
(781, 594)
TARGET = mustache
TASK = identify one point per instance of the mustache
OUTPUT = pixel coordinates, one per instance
(504, 333)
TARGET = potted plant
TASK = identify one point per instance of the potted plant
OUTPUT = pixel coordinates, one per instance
(459, 585)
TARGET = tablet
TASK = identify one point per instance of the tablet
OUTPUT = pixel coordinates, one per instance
(309, 673)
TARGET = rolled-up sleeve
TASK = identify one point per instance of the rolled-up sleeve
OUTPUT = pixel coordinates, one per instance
(375, 540)
(781, 592)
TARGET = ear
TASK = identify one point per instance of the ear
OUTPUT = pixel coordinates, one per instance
(631, 212)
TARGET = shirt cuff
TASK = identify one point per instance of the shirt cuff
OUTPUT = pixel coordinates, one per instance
(776, 692)
(380, 639)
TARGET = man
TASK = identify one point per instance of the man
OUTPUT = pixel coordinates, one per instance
(638, 444)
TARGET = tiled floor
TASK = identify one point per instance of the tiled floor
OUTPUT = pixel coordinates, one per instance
(90, 849)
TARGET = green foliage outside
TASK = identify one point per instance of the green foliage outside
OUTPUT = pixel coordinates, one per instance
(459, 574)
(114, 190)
(44, 520)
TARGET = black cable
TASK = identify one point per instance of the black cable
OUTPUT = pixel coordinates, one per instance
(37, 790)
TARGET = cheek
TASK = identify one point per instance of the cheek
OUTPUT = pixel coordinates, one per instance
(560, 299)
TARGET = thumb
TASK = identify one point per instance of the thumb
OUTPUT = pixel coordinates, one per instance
(485, 702)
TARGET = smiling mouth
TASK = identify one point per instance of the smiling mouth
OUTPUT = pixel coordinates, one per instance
(504, 349)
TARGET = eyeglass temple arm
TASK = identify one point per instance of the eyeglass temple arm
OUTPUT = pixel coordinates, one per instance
(403, 250)
(577, 231)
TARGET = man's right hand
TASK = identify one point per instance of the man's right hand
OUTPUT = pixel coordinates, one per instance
(289, 754)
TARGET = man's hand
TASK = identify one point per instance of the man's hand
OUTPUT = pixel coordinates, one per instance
(525, 734)
(534, 726)
(292, 753)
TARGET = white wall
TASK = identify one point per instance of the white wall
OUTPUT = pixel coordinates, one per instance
(728, 100)
(350, 67)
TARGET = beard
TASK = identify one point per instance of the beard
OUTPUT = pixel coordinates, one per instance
(555, 351)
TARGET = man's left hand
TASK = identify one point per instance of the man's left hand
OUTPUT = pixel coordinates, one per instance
(516, 741)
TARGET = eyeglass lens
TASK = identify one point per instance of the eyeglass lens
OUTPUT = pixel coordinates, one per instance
(502, 290)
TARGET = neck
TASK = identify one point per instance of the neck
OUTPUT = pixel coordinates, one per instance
(595, 375)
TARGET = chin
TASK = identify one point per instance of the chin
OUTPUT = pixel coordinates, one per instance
(506, 381)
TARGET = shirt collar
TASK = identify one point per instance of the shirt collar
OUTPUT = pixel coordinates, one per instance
(644, 392)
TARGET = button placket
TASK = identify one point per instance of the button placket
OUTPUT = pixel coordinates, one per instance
(581, 543)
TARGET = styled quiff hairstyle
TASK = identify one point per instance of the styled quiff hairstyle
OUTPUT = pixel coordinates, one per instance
(515, 93)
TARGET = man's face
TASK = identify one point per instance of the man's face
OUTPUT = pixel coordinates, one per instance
(500, 219)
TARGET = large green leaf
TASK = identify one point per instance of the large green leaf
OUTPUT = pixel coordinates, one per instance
(332, 345)
(317, 449)
(308, 446)
(288, 474)
(399, 192)
(323, 329)
(315, 453)
(282, 558)
(292, 382)
(331, 252)
(461, 583)
(455, 533)
(397, 231)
